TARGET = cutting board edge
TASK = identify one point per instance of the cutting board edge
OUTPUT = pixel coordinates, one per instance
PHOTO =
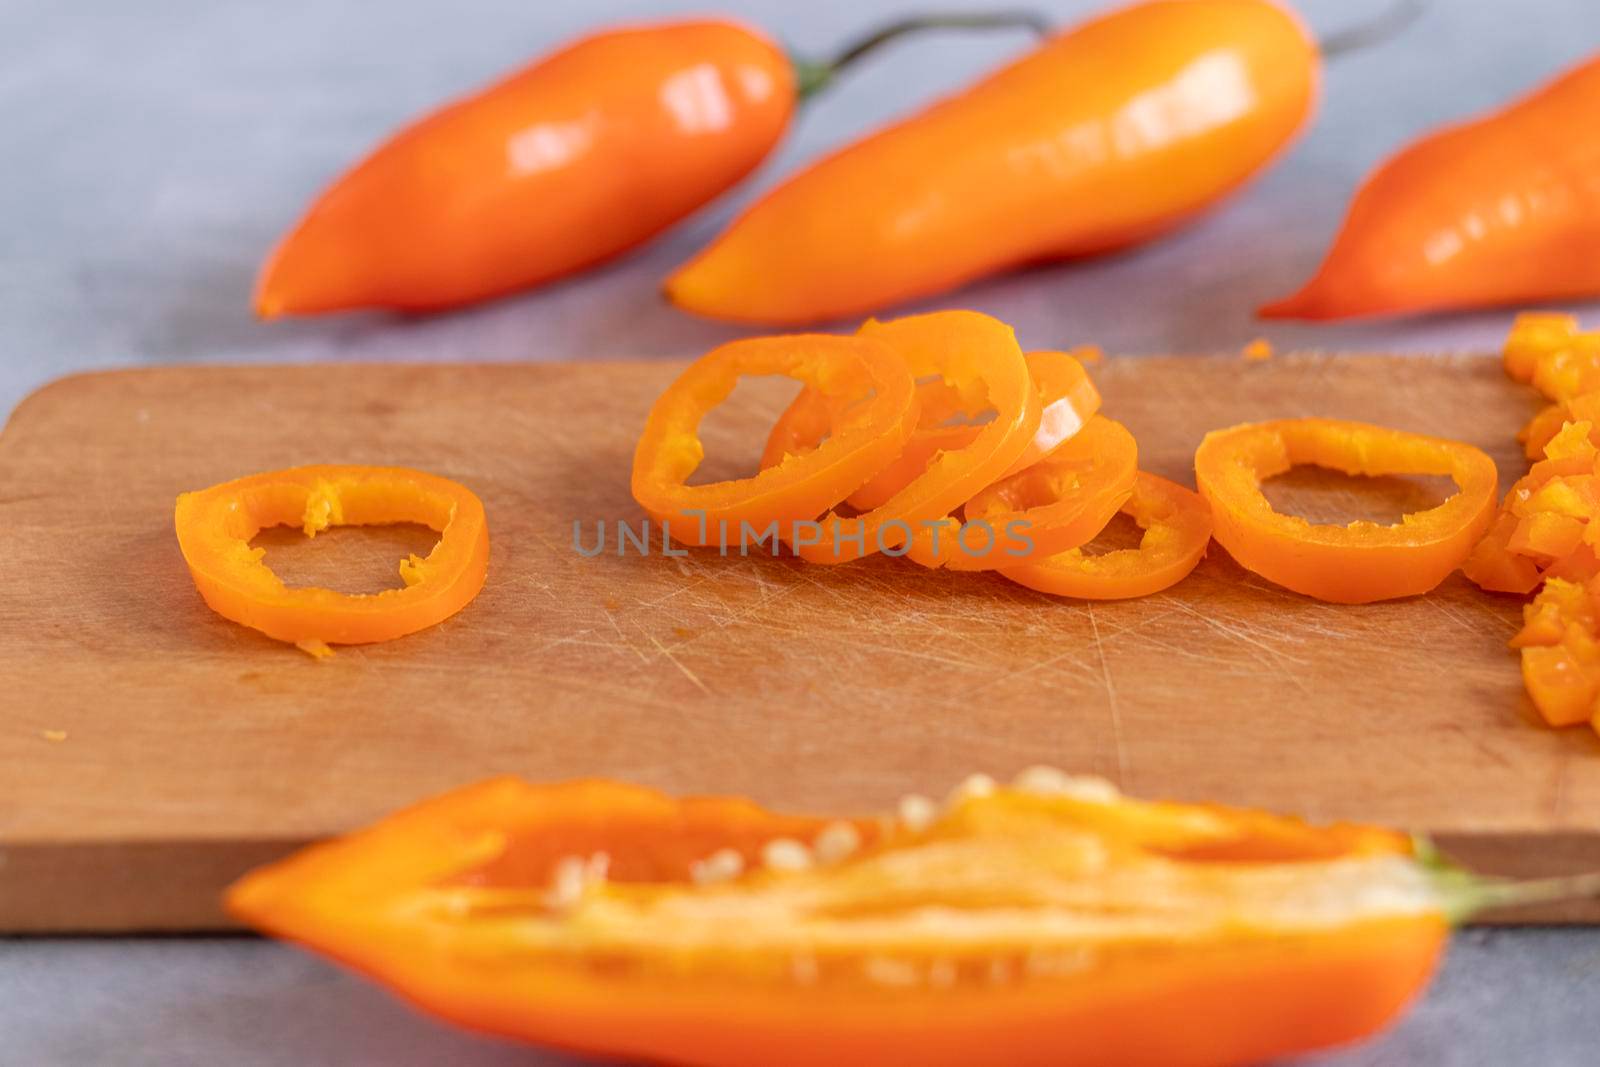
(77, 379)
(118, 887)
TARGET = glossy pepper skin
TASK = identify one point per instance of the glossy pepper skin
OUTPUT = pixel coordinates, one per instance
(564, 164)
(1108, 135)
(1500, 210)
(1048, 923)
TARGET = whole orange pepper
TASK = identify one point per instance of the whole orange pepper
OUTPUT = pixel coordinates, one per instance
(1346, 564)
(1049, 923)
(1109, 134)
(1502, 209)
(215, 526)
(570, 161)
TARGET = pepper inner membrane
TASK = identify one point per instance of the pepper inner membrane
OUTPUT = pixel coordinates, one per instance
(983, 890)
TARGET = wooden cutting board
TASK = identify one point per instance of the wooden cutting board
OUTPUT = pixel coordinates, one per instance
(150, 750)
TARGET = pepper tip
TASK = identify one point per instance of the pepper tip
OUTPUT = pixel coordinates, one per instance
(1297, 306)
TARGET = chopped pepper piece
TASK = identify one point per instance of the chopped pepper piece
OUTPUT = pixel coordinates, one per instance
(1362, 561)
(1549, 421)
(215, 527)
(865, 379)
(1050, 923)
(1560, 643)
(1177, 529)
(1535, 335)
(1494, 567)
(1544, 527)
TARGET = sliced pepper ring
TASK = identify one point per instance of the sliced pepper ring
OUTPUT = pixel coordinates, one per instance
(1067, 400)
(862, 374)
(973, 354)
(1057, 504)
(1043, 924)
(1177, 529)
(215, 527)
(1362, 561)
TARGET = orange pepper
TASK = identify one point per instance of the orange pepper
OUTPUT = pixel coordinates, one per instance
(1545, 527)
(1560, 643)
(1050, 923)
(215, 526)
(570, 161)
(1054, 506)
(861, 374)
(1499, 210)
(978, 357)
(1494, 567)
(1546, 534)
(1360, 562)
(578, 157)
(1067, 399)
(1536, 335)
(1177, 530)
(1549, 421)
(1106, 136)
(1559, 604)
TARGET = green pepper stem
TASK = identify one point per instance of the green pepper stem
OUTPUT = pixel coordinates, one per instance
(1466, 894)
(813, 75)
(1389, 24)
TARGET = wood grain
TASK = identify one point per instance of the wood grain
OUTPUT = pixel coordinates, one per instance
(194, 747)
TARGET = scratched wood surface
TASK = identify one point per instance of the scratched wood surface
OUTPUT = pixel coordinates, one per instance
(150, 750)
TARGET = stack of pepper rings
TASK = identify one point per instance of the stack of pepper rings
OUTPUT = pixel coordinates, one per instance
(887, 425)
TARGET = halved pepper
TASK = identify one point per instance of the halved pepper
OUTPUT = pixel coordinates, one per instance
(1177, 529)
(1050, 923)
(215, 527)
(865, 380)
(1362, 561)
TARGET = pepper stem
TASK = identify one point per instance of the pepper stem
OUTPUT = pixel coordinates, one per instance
(1466, 894)
(815, 75)
(1387, 25)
